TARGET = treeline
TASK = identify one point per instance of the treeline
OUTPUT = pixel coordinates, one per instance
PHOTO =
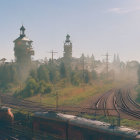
(42, 79)
(45, 77)
(12, 75)
(8, 76)
(138, 87)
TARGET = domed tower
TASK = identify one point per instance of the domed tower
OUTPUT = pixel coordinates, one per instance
(67, 50)
(23, 48)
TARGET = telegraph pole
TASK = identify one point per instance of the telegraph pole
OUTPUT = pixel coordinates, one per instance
(107, 63)
(52, 52)
(56, 100)
(57, 97)
(83, 68)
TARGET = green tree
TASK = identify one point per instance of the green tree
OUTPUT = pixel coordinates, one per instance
(48, 88)
(8, 75)
(42, 87)
(86, 76)
(42, 73)
(94, 75)
(62, 70)
(31, 87)
(138, 73)
(74, 78)
(33, 74)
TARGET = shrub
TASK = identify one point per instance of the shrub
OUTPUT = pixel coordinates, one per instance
(48, 88)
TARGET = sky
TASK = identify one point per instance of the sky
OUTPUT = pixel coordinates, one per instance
(95, 26)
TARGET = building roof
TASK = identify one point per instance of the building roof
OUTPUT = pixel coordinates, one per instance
(22, 35)
(24, 38)
(22, 28)
(67, 38)
(54, 115)
(87, 123)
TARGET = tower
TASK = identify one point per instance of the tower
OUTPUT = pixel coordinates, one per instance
(67, 50)
(23, 48)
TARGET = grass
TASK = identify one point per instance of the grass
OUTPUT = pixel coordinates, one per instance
(72, 95)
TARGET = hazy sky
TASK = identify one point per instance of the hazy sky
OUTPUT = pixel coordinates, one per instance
(95, 26)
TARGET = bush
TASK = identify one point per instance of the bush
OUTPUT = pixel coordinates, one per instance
(48, 88)
(74, 79)
(44, 87)
(31, 86)
(30, 89)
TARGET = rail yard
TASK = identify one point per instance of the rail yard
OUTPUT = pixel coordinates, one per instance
(114, 103)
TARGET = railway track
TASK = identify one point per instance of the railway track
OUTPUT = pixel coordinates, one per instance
(37, 107)
(101, 103)
(111, 103)
(24, 104)
(21, 132)
(119, 104)
(107, 103)
(5, 134)
(127, 104)
(132, 101)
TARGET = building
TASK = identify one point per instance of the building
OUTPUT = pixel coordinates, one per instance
(67, 56)
(23, 48)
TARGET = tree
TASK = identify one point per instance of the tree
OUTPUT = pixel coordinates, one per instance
(33, 74)
(86, 77)
(44, 87)
(8, 75)
(42, 73)
(31, 87)
(94, 75)
(74, 78)
(62, 70)
(138, 73)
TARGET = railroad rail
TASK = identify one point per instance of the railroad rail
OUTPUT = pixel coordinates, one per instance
(127, 104)
(37, 107)
(119, 99)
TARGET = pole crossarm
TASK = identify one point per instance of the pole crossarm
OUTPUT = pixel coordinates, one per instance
(53, 52)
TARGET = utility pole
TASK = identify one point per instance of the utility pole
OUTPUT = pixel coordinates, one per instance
(56, 100)
(52, 52)
(107, 63)
(83, 68)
